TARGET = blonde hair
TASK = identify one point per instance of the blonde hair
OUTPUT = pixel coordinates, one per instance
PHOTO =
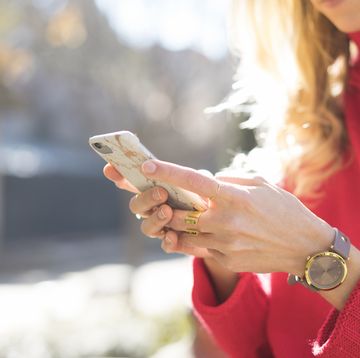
(294, 63)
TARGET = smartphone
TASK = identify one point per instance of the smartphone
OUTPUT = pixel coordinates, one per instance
(124, 151)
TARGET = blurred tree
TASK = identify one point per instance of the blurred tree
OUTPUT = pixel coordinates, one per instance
(66, 75)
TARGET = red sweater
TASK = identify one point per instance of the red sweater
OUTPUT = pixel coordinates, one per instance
(291, 321)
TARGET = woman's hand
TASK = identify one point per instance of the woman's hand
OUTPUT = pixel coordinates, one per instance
(112, 174)
(250, 225)
(150, 205)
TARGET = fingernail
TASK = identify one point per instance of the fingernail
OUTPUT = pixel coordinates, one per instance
(156, 194)
(161, 214)
(148, 167)
(168, 240)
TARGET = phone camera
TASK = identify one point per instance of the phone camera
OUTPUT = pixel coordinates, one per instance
(98, 145)
(101, 148)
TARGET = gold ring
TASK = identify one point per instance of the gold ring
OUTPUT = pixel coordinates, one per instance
(192, 218)
(192, 232)
(212, 198)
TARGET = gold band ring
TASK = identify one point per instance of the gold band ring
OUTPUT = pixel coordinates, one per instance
(192, 218)
(192, 232)
(213, 197)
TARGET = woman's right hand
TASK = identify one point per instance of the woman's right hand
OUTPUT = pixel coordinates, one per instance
(151, 206)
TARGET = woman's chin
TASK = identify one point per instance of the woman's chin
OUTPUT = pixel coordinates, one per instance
(347, 28)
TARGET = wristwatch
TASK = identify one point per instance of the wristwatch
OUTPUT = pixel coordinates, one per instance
(326, 270)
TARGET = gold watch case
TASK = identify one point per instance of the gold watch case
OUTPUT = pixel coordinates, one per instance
(325, 270)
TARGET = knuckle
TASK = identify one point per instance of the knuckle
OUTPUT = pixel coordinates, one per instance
(246, 199)
(195, 180)
(154, 194)
(235, 226)
(174, 220)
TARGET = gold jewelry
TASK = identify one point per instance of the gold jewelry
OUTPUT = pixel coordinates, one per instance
(192, 218)
(192, 232)
(213, 197)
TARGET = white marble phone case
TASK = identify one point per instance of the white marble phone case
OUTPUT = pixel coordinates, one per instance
(124, 151)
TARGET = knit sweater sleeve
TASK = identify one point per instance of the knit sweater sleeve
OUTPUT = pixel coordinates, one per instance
(340, 334)
(238, 324)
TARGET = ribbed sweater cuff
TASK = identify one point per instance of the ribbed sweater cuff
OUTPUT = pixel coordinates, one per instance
(340, 334)
(204, 296)
(239, 323)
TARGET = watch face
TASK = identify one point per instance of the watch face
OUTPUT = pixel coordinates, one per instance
(326, 270)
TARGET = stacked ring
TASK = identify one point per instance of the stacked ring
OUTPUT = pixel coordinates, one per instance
(192, 232)
(192, 218)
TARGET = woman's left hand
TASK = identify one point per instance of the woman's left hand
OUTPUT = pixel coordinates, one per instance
(250, 226)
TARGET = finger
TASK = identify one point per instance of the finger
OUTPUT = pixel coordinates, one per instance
(155, 223)
(202, 240)
(183, 177)
(171, 245)
(243, 180)
(180, 221)
(159, 235)
(112, 174)
(144, 202)
(206, 172)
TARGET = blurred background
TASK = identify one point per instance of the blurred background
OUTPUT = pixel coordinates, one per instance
(77, 277)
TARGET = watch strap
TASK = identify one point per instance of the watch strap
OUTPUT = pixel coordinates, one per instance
(341, 244)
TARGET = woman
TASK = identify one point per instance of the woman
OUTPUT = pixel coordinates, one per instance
(306, 51)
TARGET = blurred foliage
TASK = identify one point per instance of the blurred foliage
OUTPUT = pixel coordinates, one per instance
(67, 75)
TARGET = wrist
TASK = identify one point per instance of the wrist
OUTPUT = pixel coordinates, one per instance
(223, 280)
(317, 239)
